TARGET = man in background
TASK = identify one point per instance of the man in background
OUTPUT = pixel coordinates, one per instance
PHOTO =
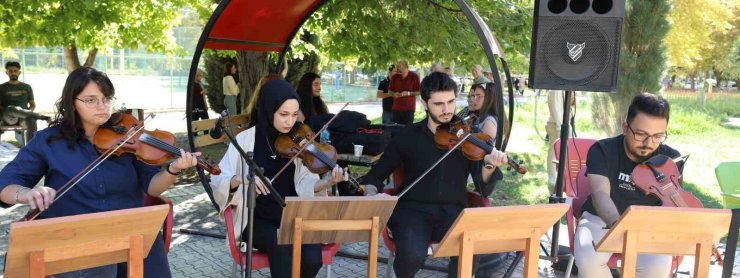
(386, 96)
(16, 99)
(405, 87)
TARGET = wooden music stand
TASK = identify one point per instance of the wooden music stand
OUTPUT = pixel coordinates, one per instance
(499, 229)
(335, 220)
(57, 245)
(666, 230)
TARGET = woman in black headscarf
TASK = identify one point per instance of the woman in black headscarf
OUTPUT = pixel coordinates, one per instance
(278, 109)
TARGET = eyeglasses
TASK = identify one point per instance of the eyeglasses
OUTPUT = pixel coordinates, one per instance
(642, 137)
(93, 102)
(474, 97)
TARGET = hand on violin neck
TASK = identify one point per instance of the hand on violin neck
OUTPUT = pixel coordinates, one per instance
(185, 161)
(338, 174)
(496, 158)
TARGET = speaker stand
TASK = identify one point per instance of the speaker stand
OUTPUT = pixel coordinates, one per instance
(557, 197)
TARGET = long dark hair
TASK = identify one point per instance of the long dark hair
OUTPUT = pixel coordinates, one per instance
(227, 68)
(489, 101)
(310, 105)
(66, 118)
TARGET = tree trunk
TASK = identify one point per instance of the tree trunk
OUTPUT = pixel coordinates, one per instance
(72, 59)
(91, 55)
(252, 67)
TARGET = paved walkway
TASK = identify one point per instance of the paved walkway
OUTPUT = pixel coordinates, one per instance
(202, 256)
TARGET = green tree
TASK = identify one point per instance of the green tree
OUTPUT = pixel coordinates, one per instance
(641, 64)
(90, 24)
(376, 33)
(690, 39)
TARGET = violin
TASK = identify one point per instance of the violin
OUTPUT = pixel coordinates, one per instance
(151, 147)
(123, 133)
(319, 158)
(475, 147)
(659, 176)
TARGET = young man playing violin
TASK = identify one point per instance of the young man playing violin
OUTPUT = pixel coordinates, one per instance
(425, 213)
(609, 165)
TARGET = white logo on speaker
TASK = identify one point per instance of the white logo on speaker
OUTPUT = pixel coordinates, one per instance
(575, 50)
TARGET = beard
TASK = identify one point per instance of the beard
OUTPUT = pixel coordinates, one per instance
(436, 119)
(640, 152)
(13, 77)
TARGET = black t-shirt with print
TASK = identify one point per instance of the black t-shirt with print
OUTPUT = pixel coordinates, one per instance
(608, 158)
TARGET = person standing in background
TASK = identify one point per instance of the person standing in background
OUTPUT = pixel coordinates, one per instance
(386, 96)
(200, 105)
(405, 87)
(554, 122)
(231, 90)
(18, 103)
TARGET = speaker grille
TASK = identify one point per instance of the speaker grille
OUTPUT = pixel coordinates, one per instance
(576, 53)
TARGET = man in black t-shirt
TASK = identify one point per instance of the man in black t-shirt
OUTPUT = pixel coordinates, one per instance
(387, 97)
(609, 165)
(17, 103)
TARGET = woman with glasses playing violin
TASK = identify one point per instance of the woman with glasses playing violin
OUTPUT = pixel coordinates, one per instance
(278, 108)
(482, 105)
(65, 148)
(609, 166)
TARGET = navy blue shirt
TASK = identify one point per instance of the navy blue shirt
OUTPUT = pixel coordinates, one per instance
(118, 183)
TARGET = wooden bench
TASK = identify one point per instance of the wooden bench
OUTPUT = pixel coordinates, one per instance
(201, 128)
(20, 128)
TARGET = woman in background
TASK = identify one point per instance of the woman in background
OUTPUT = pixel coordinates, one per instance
(231, 90)
(309, 89)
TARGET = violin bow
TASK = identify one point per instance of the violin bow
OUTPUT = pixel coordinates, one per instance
(304, 146)
(85, 171)
(459, 142)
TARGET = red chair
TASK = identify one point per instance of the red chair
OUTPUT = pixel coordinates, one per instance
(577, 152)
(474, 200)
(579, 194)
(168, 222)
(259, 258)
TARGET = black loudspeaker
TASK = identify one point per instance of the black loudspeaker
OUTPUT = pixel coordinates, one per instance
(575, 45)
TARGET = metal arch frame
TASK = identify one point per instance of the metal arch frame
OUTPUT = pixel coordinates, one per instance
(487, 40)
(493, 50)
(295, 33)
(490, 46)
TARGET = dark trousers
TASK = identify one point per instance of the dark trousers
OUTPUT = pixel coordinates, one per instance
(403, 117)
(199, 114)
(414, 226)
(280, 256)
(155, 264)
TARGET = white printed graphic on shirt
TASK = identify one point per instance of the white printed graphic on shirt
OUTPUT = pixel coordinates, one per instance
(627, 182)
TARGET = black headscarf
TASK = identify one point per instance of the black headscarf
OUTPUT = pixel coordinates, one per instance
(272, 95)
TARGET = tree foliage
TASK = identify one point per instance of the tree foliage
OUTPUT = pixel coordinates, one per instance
(373, 34)
(642, 61)
(695, 23)
(90, 24)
